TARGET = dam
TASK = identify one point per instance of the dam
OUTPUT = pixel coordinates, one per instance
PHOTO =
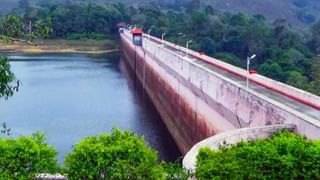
(198, 96)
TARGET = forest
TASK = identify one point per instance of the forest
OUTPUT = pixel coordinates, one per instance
(284, 53)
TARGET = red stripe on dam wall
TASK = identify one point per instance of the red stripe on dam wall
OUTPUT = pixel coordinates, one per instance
(175, 101)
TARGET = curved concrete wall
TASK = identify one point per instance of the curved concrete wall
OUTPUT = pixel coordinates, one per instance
(232, 137)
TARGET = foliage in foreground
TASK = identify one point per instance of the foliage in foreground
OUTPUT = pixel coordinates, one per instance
(174, 171)
(7, 79)
(121, 155)
(283, 156)
(24, 157)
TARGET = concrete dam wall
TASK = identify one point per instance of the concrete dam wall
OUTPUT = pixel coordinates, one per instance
(195, 102)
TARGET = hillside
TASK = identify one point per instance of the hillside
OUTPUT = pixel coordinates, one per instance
(298, 12)
(7, 5)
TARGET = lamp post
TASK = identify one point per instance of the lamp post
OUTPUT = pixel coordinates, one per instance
(149, 33)
(179, 36)
(248, 68)
(162, 37)
(187, 46)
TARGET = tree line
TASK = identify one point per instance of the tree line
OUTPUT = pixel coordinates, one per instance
(283, 53)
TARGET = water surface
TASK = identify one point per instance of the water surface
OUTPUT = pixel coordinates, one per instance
(72, 96)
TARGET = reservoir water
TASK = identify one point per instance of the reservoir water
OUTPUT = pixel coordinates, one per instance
(72, 96)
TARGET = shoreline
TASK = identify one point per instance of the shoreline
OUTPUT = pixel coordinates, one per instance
(39, 51)
(63, 46)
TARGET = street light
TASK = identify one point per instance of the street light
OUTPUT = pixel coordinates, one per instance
(149, 33)
(162, 37)
(187, 45)
(180, 35)
(248, 68)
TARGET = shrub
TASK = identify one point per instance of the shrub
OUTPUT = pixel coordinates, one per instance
(7, 79)
(85, 36)
(121, 155)
(283, 156)
(230, 58)
(25, 157)
(174, 171)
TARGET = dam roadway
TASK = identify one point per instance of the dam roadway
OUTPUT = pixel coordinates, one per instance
(199, 96)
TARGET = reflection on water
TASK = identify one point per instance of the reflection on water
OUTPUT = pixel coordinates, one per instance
(72, 96)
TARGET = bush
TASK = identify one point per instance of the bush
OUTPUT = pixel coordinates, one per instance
(7, 79)
(25, 157)
(174, 171)
(283, 156)
(231, 59)
(85, 36)
(121, 155)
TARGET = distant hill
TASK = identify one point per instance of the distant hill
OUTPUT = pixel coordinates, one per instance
(297, 12)
(7, 5)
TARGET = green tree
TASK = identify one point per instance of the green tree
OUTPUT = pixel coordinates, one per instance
(199, 23)
(315, 84)
(272, 70)
(208, 46)
(25, 157)
(8, 83)
(285, 37)
(296, 79)
(42, 28)
(316, 68)
(11, 27)
(283, 156)
(14, 27)
(314, 43)
(121, 155)
(231, 59)
(174, 171)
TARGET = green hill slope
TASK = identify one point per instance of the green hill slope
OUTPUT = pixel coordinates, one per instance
(297, 12)
(7, 5)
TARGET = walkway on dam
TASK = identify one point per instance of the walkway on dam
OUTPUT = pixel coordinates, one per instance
(285, 100)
